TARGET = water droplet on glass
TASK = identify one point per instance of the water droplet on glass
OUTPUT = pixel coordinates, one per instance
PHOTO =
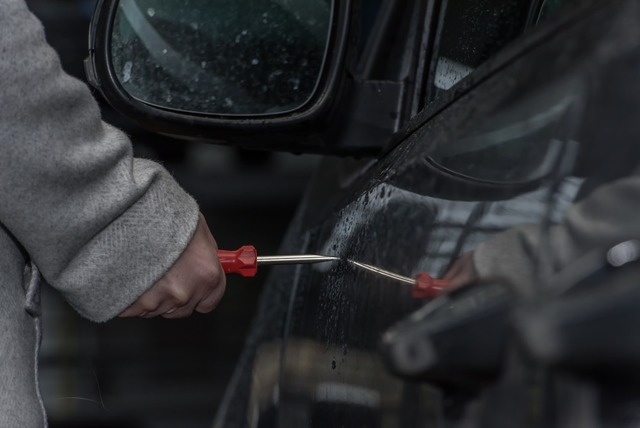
(255, 61)
(151, 11)
(228, 102)
(164, 51)
(203, 64)
(126, 71)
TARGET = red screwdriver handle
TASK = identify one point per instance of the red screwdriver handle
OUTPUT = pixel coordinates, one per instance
(243, 261)
(428, 287)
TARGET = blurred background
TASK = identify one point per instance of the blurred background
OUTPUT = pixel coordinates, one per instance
(161, 373)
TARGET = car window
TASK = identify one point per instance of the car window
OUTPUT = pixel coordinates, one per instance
(470, 33)
(370, 10)
(522, 142)
(550, 8)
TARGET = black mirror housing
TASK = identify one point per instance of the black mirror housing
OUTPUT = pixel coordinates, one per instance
(313, 127)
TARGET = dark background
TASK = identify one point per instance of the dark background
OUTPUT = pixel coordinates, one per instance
(162, 373)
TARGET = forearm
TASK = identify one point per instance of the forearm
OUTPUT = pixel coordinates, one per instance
(96, 221)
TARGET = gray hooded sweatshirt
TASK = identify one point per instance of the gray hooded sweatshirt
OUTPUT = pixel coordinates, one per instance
(76, 209)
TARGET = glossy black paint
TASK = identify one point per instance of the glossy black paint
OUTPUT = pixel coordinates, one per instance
(315, 357)
(333, 345)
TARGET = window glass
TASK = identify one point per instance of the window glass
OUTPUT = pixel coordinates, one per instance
(550, 8)
(369, 14)
(522, 142)
(472, 32)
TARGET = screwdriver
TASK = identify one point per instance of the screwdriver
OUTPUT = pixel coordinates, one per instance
(245, 261)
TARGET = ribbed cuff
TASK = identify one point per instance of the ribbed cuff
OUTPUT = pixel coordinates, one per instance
(133, 252)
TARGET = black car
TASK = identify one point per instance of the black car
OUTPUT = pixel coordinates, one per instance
(444, 122)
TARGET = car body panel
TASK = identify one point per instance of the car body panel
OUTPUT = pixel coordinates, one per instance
(314, 356)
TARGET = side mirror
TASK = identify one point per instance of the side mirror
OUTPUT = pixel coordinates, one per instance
(264, 75)
(221, 58)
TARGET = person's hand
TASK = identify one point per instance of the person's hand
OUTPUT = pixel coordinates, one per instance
(196, 281)
(462, 272)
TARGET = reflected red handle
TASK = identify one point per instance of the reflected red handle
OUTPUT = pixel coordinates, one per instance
(428, 287)
(243, 261)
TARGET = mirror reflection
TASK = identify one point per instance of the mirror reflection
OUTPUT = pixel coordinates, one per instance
(242, 57)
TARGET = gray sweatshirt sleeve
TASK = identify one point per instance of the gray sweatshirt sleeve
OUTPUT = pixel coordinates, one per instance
(101, 226)
(606, 217)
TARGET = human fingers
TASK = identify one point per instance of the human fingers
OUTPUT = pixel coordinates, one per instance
(164, 295)
(211, 301)
(179, 298)
(131, 311)
(456, 268)
(462, 272)
(168, 295)
(205, 302)
(145, 304)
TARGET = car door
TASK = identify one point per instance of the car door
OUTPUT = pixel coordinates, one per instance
(510, 131)
(507, 137)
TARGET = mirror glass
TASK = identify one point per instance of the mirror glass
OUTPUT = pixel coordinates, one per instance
(230, 57)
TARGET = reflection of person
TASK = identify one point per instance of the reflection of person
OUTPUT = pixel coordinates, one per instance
(609, 215)
(115, 235)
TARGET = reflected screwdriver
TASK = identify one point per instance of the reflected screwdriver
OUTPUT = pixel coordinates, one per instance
(245, 261)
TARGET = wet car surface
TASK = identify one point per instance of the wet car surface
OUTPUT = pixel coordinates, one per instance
(329, 334)
(495, 116)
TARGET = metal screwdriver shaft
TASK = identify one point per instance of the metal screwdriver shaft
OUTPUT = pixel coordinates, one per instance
(245, 261)
(294, 260)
